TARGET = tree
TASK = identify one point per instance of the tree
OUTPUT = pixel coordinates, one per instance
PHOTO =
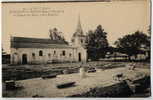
(56, 35)
(97, 43)
(149, 39)
(149, 31)
(131, 44)
(3, 52)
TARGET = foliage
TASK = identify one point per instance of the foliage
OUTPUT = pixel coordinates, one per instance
(132, 44)
(97, 43)
(149, 38)
(56, 35)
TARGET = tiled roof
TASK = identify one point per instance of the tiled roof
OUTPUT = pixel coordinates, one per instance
(38, 40)
(23, 42)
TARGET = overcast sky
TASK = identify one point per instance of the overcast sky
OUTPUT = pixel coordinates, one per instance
(117, 19)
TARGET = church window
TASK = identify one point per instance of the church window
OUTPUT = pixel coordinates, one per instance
(40, 53)
(81, 41)
(70, 54)
(63, 52)
(33, 54)
(54, 52)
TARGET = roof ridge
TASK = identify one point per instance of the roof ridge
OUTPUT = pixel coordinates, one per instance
(36, 41)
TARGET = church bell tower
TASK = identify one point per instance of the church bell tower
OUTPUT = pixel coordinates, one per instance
(78, 38)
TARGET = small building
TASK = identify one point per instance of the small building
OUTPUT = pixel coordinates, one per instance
(116, 56)
(5, 58)
(26, 50)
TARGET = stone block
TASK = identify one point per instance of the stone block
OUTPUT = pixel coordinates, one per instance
(48, 76)
(65, 85)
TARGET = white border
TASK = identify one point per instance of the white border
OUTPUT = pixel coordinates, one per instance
(149, 98)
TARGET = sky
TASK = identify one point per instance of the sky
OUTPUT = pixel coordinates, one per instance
(117, 18)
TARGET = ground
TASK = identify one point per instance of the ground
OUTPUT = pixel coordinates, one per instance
(47, 88)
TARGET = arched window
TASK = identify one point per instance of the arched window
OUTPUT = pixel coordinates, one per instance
(54, 52)
(70, 54)
(40, 53)
(81, 41)
(63, 52)
(33, 54)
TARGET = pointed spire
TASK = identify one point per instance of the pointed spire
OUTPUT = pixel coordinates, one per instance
(79, 27)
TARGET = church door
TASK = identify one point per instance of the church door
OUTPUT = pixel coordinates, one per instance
(79, 56)
(24, 59)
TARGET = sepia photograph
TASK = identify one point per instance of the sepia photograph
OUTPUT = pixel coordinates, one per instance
(77, 49)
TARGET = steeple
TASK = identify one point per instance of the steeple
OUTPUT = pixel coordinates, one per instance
(78, 38)
(79, 30)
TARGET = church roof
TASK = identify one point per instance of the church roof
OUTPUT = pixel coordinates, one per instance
(24, 42)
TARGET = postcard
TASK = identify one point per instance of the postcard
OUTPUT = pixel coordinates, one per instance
(76, 49)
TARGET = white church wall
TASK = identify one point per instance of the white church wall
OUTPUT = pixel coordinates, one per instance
(48, 54)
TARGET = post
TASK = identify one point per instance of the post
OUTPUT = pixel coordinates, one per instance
(82, 72)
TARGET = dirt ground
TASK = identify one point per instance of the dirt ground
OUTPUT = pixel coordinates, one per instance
(21, 72)
(47, 87)
(29, 76)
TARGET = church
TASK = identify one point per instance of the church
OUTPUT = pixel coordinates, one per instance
(25, 50)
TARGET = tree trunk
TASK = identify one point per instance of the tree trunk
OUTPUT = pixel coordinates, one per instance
(135, 56)
(129, 57)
